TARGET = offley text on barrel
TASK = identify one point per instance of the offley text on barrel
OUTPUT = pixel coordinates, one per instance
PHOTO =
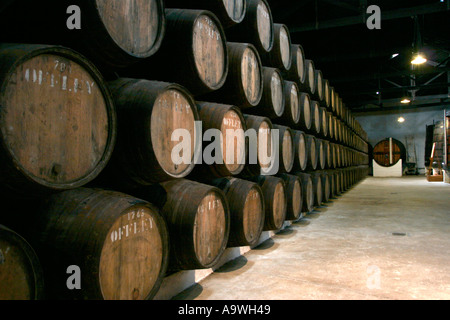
(138, 223)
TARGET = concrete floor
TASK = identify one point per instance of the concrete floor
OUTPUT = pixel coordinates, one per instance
(386, 238)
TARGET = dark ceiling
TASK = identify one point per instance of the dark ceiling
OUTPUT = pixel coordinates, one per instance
(358, 61)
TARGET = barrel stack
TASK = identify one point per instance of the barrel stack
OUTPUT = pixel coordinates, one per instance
(157, 136)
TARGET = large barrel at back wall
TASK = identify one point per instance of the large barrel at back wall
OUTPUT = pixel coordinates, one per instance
(120, 243)
(247, 211)
(21, 276)
(193, 53)
(229, 12)
(256, 28)
(114, 34)
(58, 123)
(149, 114)
(244, 84)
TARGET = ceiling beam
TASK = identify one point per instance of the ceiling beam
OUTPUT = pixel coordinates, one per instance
(389, 15)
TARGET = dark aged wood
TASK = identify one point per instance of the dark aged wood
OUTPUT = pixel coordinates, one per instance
(307, 192)
(311, 151)
(326, 188)
(198, 219)
(229, 12)
(193, 53)
(119, 242)
(286, 148)
(21, 276)
(57, 121)
(300, 151)
(256, 28)
(148, 114)
(297, 71)
(247, 211)
(114, 34)
(294, 196)
(275, 198)
(244, 84)
(317, 188)
(231, 123)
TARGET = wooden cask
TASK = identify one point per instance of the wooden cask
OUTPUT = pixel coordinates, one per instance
(113, 34)
(272, 103)
(326, 188)
(229, 12)
(306, 117)
(330, 126)
(256, 28)
(193, 54)
(275, 201)
(120, 243)
(247, 212)
(317, 188)
(321, 156)
(293, 195)
(328, 154)
(21, 276)
(332, 183)
(316, 124)
(326, 94)
(198, 220)
(310, 77)
(332, 107)
(280, 56)
(229, 160)
(301, 152)
(323, 122)
(312, 154)
(292, 112)
(318, 82)
(149, 113)
(297, 71)
(307, 192)
(244, 84)
(259, 155)
(58, 123)
(387, 152)
(286, 148)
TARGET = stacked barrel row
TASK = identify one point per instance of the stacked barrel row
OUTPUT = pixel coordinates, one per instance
(106, 140)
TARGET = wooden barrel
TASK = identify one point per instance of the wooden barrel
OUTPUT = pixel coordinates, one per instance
(324, 122)
(305, 112)
(280, 56)
(328, 154)
(58, 124)
(321, 161)
(113, 34)
(294, 196)
(297, 71)
(301, 152)
(244, 84)
(311, 151)
(330, 126)
(21, 276)
(193, 54)
(149, 115)
(272, 103)
(319, 85)
(247, 212)
(275, 201)
(229, 12)
(286, 148)
(307, 192)
(229, 160)
(326, 94)
(120, 243)
(332, 107)
(316, 124)
(259, 141)
(198, 220)
(317, 188)
(256, 28)
(310, 77)
(292, 112)
(387, 152)
(332, 183)
(326, 188)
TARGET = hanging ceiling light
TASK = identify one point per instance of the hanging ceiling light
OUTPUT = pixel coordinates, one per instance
(405, 101)
(401, 119)
(419, 59)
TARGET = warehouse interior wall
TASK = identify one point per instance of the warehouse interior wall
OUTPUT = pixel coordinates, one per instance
(380, 126)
